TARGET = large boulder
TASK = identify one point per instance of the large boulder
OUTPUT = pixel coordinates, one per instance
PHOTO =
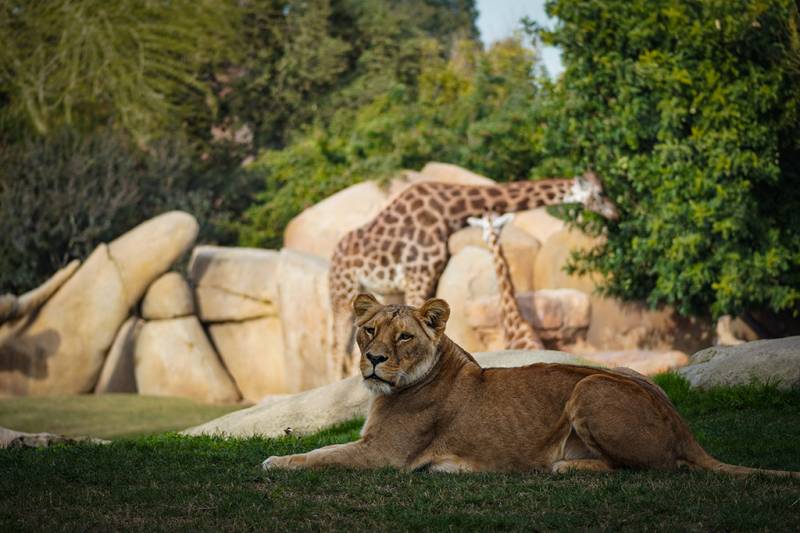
(234, 283)
(306, 319)
(174, 358)
(117, 374)
(616, 325)
(63, 348)
(553, 257)
(537, 223)
(168, 297)
(766, 361)
(469, 276)
(253, 353)
(150, 249)
(519, 249)
(560, 316)
(319, 228)
(557, 314)
(337, 402)
(447, 173)
(647, 362)
(301, 413)
(14, 308)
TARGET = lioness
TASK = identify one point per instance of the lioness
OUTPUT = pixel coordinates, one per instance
(434, 407)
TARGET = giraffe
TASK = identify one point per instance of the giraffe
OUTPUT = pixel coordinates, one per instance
(403, 249)
(518, 332)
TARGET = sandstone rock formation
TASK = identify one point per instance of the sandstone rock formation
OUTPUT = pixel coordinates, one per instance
(253, 353)
(447, 173)
(306, 318)
(560, 316)
(537, 223)
(766, 361)
(168, 297)
(647, 362)
(63, 348)
(174, 358)
(313, 232)
(150, 249)
(469, 276)
(300, 414)
(519, 250)
(616, 325)
(337, 402)
(234, 283)
(13, 308)
(117, 374)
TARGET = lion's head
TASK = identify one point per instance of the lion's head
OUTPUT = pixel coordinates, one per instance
(398, 343)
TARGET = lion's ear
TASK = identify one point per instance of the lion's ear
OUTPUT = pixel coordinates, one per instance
(435, 313)
(363, 303)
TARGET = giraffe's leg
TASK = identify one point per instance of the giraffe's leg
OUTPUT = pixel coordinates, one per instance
(343, 288)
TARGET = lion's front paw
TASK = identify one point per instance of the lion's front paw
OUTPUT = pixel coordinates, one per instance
(283, 461)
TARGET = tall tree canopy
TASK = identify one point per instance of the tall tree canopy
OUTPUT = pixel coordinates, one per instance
(689, 111)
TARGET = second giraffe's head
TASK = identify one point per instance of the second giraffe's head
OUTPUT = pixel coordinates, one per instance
(490, 223)
(588, 190)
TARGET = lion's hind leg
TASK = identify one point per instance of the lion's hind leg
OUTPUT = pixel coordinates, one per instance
(624, 424)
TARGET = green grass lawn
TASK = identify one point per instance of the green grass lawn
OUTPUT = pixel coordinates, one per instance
(167, 482)
(106, 416)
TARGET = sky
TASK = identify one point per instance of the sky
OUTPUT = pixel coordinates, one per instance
(499, 18)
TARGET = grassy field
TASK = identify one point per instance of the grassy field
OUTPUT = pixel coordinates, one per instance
(106, 416)
(167, 482)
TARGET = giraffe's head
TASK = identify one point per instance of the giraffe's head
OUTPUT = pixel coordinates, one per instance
(588, 190)
(490, 223)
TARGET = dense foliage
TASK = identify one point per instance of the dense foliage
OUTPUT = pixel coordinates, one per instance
(689, 111)
(61, 196)
(80, 64)
(473, 108)
(113, 112)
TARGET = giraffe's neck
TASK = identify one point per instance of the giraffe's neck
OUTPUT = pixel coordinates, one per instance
(518, 333)
(521, 195)
(511, 197)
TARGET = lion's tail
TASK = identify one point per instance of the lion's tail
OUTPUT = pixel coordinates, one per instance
(700, 459)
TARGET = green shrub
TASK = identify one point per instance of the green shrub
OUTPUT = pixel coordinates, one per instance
(61, 196)
(474, 109)
(689, 112)
(81, 63)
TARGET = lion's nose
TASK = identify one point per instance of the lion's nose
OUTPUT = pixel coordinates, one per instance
(376, 359)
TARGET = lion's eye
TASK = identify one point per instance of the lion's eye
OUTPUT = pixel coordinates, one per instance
(369, 331)
(405, 336)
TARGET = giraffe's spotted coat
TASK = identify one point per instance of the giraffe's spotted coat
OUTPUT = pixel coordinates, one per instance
(517, 332)
(403, 250)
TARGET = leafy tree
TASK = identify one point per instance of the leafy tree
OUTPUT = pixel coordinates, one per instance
(61, 196)
(689, 112)
(304, 61)
(474, 109)
(82, 63)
